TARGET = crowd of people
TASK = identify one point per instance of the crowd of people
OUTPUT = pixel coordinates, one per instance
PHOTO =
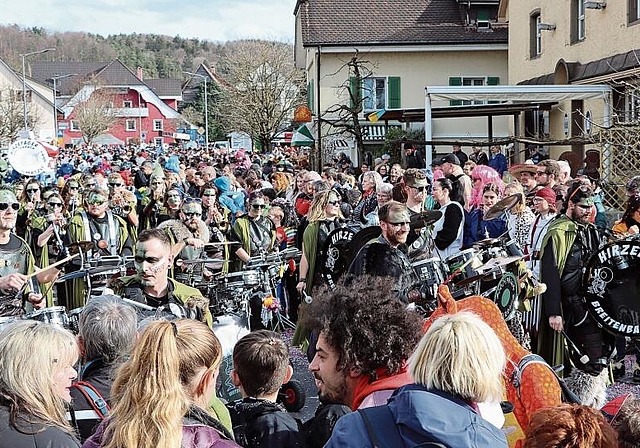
(150, 361)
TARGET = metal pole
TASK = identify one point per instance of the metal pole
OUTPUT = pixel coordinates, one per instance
(24, 82)
(24, 92)
(55, 112)
(206, 115)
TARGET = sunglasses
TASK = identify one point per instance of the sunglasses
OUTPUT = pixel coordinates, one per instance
(333, 203)
(32, 190)
(209, 194)
(74, 187)
(399, 224)
(96, 202)
(115, 185)
(192, 214)
(257, 206)
(190, 200)
(5, 205)
(423, 189)
(55, 204)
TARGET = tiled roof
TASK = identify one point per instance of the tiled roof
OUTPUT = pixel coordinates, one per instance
(165, 87)
(384, 22)
(118, 74)
(43, 71)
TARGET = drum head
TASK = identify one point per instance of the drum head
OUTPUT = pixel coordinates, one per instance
(612, 288)
(361, 238)
(335, 256)
(506, 295)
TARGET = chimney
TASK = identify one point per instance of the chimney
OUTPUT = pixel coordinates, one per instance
(139, 73)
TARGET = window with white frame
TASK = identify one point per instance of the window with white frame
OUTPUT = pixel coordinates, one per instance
(157, 142)
(73, 126)
(157, 125)
(535, 34)
(127, 104)
(130, 125)
(471, 81)
(578, 26)
(374, 93)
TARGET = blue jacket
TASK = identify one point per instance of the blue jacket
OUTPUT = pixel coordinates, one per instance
(423, 416)
(475, 227)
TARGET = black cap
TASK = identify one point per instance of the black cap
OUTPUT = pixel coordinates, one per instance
(447, 158)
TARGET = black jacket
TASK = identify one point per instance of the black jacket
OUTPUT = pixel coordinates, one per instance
(100, 376)
(261, 423)
(318, 429)
(30, 435)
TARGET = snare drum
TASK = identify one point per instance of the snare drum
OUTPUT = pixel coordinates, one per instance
(242, 279)
(74, 319)
(56, 315)
(430, 271)
(467, 260)
(5, 321)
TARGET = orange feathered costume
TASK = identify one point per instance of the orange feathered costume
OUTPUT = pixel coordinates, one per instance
(539, 387)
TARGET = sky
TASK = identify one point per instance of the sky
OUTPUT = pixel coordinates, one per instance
(212, 20)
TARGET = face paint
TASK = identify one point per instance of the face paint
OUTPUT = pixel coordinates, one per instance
(96, 198)
(191, 208)
(173, 199)
(7, 196)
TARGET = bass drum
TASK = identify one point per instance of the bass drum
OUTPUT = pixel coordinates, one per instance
(611, 285)
(335, 256)
(361, 238)
(229, 329)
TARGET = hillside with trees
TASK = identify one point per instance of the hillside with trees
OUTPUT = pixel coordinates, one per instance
(159, 56)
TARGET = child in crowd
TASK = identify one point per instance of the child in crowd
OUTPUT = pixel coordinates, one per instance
(260, 368)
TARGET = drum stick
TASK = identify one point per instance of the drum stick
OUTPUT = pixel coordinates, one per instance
(457, 271)
(139, 305)
(51, 266)
(583, 358)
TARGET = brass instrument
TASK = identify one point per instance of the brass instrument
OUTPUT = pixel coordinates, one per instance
(218, 218)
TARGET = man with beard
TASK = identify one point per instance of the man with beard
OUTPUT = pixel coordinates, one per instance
(16, 261)
(189, 234)
(365, 338)
(107, 232)
(569, 242)
(151, 284)
(385, 256)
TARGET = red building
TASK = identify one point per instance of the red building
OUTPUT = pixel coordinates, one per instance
(141, 110)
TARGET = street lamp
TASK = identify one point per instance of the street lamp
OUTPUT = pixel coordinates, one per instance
(55, 108)
(206, 112)
(24, 82)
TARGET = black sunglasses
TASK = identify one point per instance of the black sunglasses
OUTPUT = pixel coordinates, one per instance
(333, 202)
(189, 200)
(115, 185)
(5, 205)
(55, 204)
(32, 190)
(258, 206)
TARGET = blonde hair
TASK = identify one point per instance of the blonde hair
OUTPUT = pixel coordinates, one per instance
(377, 178)
(319, 203)
(164, 365)
(517, 188)
(31, 352)
(461, 355)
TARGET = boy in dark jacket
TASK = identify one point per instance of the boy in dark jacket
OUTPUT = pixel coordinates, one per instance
(260, 368)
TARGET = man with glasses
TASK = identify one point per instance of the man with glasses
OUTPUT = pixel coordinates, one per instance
(385, 256)
(547, 173)
(569, 242)
(107, 232)
(16, 262)
(189, 233)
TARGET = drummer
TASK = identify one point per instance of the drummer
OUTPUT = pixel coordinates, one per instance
(151, 284)
(16, 262)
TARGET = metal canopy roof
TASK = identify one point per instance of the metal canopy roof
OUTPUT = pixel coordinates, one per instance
(520, 93)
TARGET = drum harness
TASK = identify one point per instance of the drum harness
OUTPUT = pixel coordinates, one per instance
(113, 240)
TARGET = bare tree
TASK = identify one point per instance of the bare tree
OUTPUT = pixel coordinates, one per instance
(11, 113)
(344, 118)
(265, 87)
(95, 115)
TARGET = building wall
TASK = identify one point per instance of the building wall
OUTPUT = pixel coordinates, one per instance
(416, 71)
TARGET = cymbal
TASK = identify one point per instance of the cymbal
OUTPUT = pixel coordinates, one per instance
(198, 261)
(487, 243)
(80, 246)
(501, 206)
(424, 218)
(497, 262)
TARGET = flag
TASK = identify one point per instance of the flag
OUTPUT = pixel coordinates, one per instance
(375, 116)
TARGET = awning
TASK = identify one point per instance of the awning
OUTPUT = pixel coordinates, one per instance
(107, 139)
(303, 136)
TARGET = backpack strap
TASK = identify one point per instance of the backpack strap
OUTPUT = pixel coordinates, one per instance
(381, 427)
(93, 397)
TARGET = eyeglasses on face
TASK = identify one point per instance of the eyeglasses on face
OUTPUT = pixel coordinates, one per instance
(190, 200)
(55, 204)
(97, 202)
(422, 189)
(32, 190)
(399, 224)
(258, 206)
(334, 203)
(209, 194)
(74, 187)
(115, 184)
(4, 206)
(192, 214)
(541, 173)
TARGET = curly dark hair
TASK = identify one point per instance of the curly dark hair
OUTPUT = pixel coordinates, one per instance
(366, 323)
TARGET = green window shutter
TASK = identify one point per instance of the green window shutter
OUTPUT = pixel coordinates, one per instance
(493, 81)
(355, 89)
(310, 96)
(394, 93)
(455, 81)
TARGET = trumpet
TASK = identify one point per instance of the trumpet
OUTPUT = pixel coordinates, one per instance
(218, 219)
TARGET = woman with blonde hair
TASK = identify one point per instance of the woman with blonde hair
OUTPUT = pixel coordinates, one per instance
(371, 183)
(520, 217)
(36, 372)
(457, 364)
(160, 395)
